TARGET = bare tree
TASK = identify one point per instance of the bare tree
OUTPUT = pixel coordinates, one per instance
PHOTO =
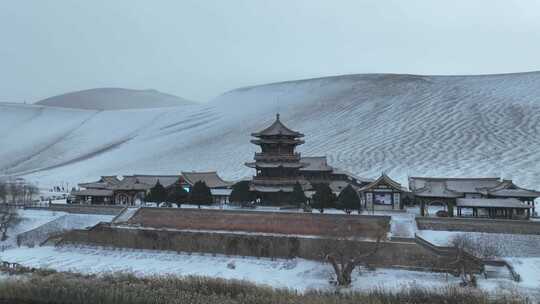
(3, 191)
(14, 191)
(345, 252)
(479, 247)
(28, 191)
(8, 218)
(468, 254)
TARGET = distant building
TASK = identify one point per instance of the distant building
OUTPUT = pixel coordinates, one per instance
(489, 197)
(220, 189)
(131, 190)
(317, 171)
(277, 166)
(382, 194)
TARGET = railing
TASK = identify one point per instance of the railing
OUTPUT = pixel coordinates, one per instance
(262, 180)
(502, 263)
(448, 252)
(119, 214)
(277, 156)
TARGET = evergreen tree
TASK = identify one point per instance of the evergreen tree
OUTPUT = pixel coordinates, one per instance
(3, 192)
(298, 197)
(348, 200)
(177, 194)
(241, 193)
(323, 197)
(157, 194)
(200, 194)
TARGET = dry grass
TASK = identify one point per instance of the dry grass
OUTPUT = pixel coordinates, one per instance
(124, 288)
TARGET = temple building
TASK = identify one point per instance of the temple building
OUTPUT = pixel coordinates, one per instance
(220, 189)
(382, 194)
(318, 171)
(490, 197)
(131, 190)
(277, 166)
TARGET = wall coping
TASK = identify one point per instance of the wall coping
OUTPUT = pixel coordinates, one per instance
(306, 214)
(476, 220)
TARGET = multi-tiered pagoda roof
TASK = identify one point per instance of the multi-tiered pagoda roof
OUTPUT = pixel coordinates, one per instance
(277, 164)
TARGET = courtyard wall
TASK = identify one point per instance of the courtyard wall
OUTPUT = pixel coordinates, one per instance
(479, 225)
(408, 255)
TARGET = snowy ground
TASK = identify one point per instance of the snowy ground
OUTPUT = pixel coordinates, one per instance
(29, 219)
(41, 223)
(521, 251)
(508, 245)
(299, 274)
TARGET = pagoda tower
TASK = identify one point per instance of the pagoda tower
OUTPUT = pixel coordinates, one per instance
(277, 165)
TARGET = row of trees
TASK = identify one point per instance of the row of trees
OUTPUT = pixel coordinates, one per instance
(200, 194)
(17, 192)
(176, 194)
(323, 198)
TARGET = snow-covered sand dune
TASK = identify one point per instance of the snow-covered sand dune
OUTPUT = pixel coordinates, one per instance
(113, 99)
(401, 124)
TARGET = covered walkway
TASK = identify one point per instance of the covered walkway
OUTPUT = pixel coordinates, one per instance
(508, 208)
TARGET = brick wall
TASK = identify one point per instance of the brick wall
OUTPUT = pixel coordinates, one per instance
(391, 254)
(254, 221)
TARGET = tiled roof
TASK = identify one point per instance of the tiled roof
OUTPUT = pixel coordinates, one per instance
(92, 192)
(507, 188)
(277, 128)
(145, 182)
(451, 185)
(165, 180)
(95, 185)
(112, 180)
(315, 163)
(211, 179)
(436, 188)
(383, 179)
(352, 175)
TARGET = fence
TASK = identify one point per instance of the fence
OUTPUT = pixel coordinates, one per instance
(83, 209)
(391, 254)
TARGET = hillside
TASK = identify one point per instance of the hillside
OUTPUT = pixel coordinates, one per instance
(114, 99)
(401, 124)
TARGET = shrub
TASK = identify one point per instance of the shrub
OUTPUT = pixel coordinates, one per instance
(348, 200)
(241, 194)
(200, 194)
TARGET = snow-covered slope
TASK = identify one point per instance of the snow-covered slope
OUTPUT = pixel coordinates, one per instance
(113, 99)
(401, 124)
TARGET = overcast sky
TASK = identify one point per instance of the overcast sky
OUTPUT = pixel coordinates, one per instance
(199, 49)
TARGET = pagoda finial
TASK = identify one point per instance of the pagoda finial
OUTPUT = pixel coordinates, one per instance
(277, 116)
